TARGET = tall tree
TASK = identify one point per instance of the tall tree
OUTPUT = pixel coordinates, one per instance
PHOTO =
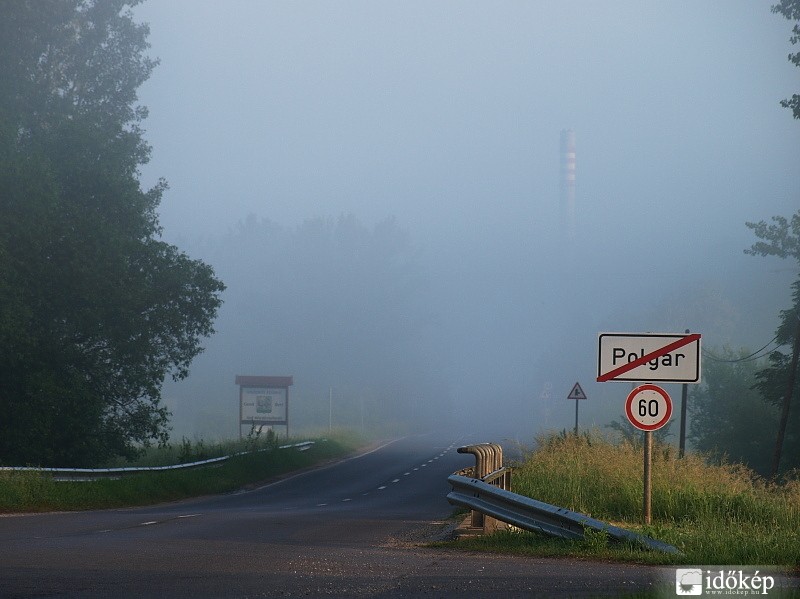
(729, 420)
(779, 382)
(791, 10)
(95, 310)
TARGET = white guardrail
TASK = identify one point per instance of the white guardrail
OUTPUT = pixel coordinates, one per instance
(89, 474)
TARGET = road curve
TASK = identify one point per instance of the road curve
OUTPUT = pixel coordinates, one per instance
(351, 529)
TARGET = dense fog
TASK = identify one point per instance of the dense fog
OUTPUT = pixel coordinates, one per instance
(378, 185)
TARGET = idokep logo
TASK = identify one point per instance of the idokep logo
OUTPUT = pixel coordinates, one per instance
(689, 581)
(707, 582)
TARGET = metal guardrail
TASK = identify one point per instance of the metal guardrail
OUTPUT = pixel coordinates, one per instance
(536, 516)
(488, 457)
(488, 468)
(90, 474)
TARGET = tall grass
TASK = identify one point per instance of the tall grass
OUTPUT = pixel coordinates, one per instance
(715, 514)
(188, 450)
(33, 491)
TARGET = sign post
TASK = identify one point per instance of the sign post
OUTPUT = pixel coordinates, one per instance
(648, 408)
(577, 394)
(649, 358)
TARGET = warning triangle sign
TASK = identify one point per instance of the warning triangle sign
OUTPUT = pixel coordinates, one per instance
(577, 392)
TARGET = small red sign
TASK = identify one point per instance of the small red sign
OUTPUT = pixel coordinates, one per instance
(648, 407)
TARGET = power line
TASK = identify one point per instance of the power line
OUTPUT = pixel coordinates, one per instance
(748, 358)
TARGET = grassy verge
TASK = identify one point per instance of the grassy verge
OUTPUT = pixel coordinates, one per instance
(713, 514)
(37, 492)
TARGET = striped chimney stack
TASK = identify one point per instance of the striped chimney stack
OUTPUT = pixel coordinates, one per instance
(568, 183)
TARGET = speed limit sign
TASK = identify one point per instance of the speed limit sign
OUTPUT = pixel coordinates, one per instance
(648, 407)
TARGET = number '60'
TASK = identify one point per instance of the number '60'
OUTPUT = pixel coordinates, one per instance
(648, 408)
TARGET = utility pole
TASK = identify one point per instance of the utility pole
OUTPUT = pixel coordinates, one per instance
(684, 393)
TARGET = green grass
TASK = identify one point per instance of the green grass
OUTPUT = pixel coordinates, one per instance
(713, 514)
(38, 492)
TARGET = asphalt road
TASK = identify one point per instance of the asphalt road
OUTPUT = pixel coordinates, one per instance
(356, 528)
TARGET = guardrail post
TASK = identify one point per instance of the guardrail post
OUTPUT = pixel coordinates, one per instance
(488, 460)
(477, 472)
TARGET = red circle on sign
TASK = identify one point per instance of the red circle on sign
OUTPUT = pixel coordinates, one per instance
(648, 421)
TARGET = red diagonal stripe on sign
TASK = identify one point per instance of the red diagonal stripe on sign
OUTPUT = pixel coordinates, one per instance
(612, 374)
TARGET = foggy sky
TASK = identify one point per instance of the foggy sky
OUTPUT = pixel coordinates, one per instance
(447, 116)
